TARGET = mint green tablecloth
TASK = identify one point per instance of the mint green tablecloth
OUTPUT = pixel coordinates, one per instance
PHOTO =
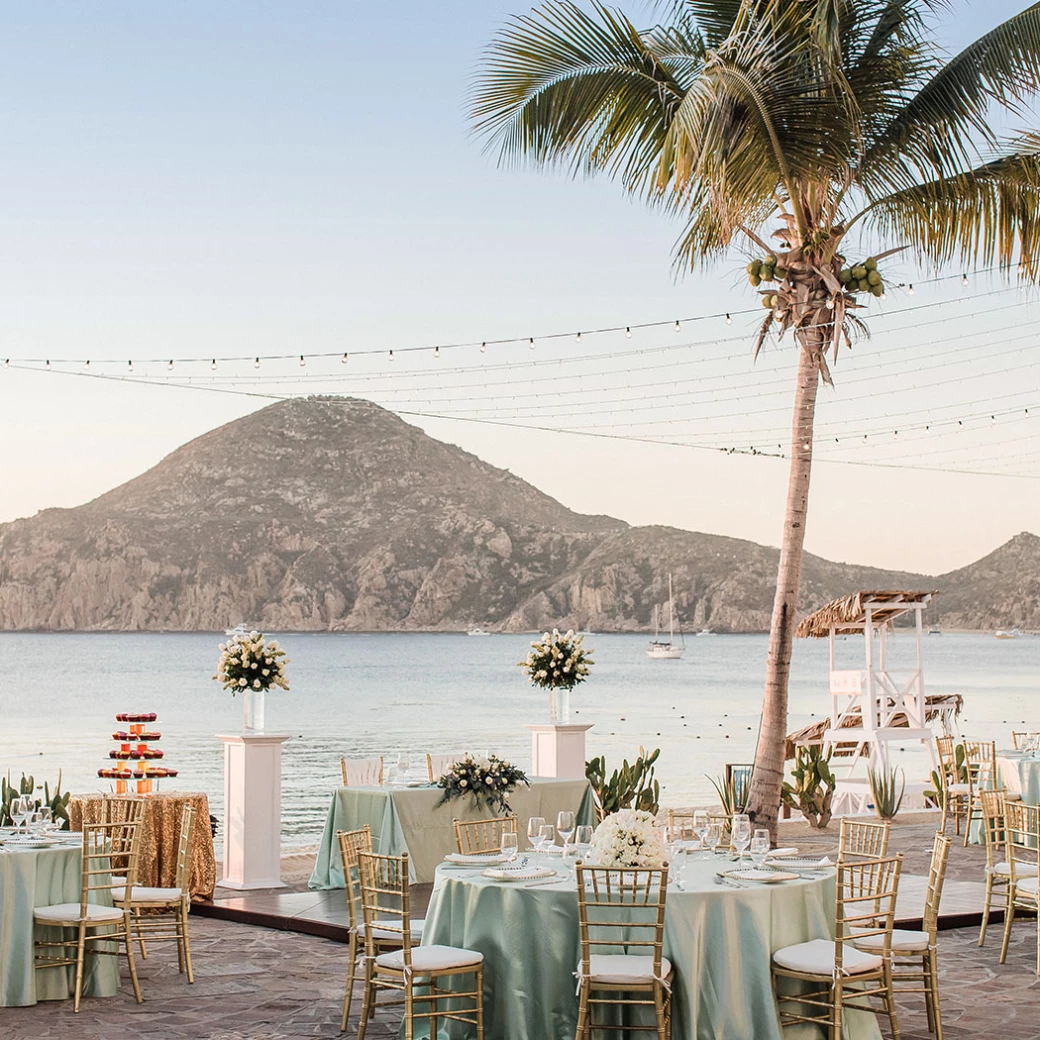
(720, 941)
(43, 877)
(407, 819)
(1021, 776)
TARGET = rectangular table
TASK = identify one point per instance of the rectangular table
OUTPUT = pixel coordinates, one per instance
(42, 877)
(408, 819)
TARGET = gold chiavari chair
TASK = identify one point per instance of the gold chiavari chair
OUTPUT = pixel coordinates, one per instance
(351, 845)
(415, 972)
(121, 808)
(97, 924)
(832, 974)
(475, 836)
(998, 870)
(438, 765)
(362, 772)
(162, 913)
(863, 838)
(680, 824)
(980, 757)
(1020, 738)
(1022, 833)
(956, 794)
(629, 902)
(915, 967)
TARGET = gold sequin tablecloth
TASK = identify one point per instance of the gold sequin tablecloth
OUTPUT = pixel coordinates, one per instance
(157, 863)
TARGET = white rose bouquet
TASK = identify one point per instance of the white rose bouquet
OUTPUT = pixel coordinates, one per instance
(558, 662)
(628, 838)
(250, 662)
(489, 780)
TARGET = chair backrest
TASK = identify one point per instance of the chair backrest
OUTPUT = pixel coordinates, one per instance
(438, 765)
(475, 836)
(107, 848)
(385, 898)
(1020, 738)
(362, 772)
(936, 878)
(865, 902)
(993, 803)
(680, 824)
(351, 845)
(946, 747)
(738, 780)
(980, 756)
(621, 911)
(121, 808)
(1022, 833)
(863, 838)
(182, 876)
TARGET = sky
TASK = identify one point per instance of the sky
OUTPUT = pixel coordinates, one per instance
(258, 179)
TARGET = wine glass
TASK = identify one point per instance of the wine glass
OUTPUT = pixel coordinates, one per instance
(700, 826)
(741, 834)
(46, 816)
(20, 809)
(583, 836)
(565, 826)
(546, 836)
(759, 846)
(714, 836)
(509, 845)
(404, 763)
(534, 827)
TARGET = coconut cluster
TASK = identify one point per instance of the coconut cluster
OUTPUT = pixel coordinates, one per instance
(864, 277)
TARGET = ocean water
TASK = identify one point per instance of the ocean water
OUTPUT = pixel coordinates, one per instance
(366, 694)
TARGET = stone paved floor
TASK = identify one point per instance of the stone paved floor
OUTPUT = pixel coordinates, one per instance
(260, 984)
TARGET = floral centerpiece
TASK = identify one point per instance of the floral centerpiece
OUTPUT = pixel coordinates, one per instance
(253, 665)
(490, 780)
(628, 838)
(558, 663)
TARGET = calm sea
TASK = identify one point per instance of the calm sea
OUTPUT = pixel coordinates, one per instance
(360, 695)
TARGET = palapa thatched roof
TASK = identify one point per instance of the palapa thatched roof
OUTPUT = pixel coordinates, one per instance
(935, 704)
(847, 615)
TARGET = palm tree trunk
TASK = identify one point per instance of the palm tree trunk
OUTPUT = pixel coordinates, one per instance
(768, 776)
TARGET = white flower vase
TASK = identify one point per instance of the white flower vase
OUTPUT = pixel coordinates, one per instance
(559, 705)
(253, 711)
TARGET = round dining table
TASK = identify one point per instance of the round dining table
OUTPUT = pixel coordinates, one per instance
(42, 877)
(719, 937)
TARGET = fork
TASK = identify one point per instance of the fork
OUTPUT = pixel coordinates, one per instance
(720, 880)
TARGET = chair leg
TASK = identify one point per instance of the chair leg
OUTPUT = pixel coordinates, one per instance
(81, 945)
(836, 1008)
(186, 941)
(890, 1001)
(582, 1031)
(351, 971)
(366, 1002)
(480, 1001)
(409, 1012)
(662, 1033)
(1009, 917)
(986, 908)
(933, 994)
(129, 939)
(140, 936)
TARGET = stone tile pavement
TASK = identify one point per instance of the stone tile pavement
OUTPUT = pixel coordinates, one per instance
(261, 984)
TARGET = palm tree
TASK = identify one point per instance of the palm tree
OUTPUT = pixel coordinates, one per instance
(804, 130)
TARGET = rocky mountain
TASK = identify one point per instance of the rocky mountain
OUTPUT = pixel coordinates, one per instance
(334, 514)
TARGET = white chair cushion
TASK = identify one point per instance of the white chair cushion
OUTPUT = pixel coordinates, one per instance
(817, 958)
(144, 894)
(418, 924)
(903, 941)
(431, 958)
(1021, 869)
(618, 969)
(1027, 885)
(70, 912)
(958, 788)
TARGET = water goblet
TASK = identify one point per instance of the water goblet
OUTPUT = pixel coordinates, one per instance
(509, 845)
(565, 825)
(583, 836)
(700, 826)
(547, 836)
(404, 763)
(714, 836)
(46, 815)
(534, 827)
(741, 834)
(759, 847)
(20, 809)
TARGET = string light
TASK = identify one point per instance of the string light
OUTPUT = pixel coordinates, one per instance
(303, 361)
(577, 339)
(256, 363)
(130, 365)
(678, 327)
(169, 365)
(391, 355)
(628, 333)
(483, 346)
(343, 360)
(530, 342)
(48, 366)
(437, 353)
(87, 363)
(911, 290)
(729, 320)
(964, 279)
(213, 365)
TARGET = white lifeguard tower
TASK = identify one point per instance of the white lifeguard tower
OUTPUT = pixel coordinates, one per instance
(873, 705)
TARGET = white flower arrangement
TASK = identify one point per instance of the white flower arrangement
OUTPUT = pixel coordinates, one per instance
(558, 661)
(628, 838)
(489, 780)
(250, 662)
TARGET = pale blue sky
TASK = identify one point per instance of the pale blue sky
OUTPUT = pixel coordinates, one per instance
(237, 178)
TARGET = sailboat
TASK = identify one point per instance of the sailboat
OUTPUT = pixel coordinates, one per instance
(658, 648)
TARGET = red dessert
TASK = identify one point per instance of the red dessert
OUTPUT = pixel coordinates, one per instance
(140, 716)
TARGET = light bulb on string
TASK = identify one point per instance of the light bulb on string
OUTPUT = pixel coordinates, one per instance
(391, 355)
(437, 352)
(910, 290)
(678, 327)
(483, 348)
(729, 320)
(628, 333)
(993, 420)
(577, 339)
(256, 363)
(130, 366)
(169, 365)
(48, 365)
(530, 342)
(86, 364)
(303, 361)
(964, 279)
(213, 365)
(343, 360)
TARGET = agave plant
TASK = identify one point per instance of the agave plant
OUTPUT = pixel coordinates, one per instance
(883, 790)
(819, 135)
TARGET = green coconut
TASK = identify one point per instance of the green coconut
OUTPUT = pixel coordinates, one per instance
(845, 276)
(877, 290)
(754, 267)
(780, 273)
(871, 264)
(859, 271)
(755, 280)
(873, 277)
(770, 259)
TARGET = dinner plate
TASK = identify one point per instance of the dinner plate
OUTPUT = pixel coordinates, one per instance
(765, 877)
(519, 874)
(777, 853)
(477, 859)
(803, 863)
(22, 843)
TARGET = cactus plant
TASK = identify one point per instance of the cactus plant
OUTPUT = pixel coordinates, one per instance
(883, 789)
(58, 802)
(813, 787)
(630, 787)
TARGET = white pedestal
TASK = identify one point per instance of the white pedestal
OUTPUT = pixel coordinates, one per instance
(558, 750)
(252, 810)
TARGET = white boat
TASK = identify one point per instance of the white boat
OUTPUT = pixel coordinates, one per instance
(705, 632)
(241, 629)
(1008, 633)
(658, 648)
(478, 631)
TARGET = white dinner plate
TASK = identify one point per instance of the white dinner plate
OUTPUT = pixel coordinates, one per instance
(803, 863)
(22, 843)
(520, 874)
(478, 859)
(777, 853)
(765, 877)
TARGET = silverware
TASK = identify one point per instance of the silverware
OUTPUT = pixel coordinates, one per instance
(721, 880)
(547, 881)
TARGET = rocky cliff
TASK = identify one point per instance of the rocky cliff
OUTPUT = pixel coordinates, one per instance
(334, 514)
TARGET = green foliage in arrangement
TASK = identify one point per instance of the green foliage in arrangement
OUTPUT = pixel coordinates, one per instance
(557, 661)
(490, 780)
(630, 787)
(883, 789)
(58, 802)
(812, 791)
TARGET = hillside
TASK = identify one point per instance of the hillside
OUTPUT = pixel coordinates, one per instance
(334, 514)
